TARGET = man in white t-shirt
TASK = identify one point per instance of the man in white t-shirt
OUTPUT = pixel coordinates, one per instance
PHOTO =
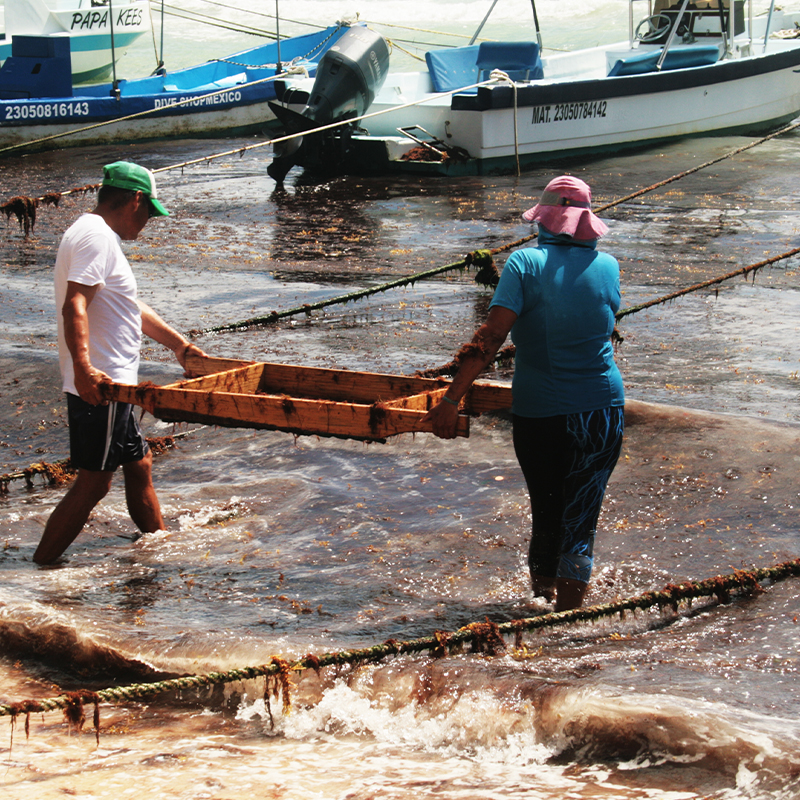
(100, 329)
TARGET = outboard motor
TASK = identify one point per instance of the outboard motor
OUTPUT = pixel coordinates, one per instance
(349, 76)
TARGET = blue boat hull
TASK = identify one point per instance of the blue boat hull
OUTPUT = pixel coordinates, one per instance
(221, 97)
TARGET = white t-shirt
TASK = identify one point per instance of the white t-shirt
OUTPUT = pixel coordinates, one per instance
(90, 254)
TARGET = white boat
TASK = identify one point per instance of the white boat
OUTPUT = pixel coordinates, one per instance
(89, 24)
(686, 70)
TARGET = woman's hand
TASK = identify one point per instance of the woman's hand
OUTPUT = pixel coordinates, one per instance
(443, 418)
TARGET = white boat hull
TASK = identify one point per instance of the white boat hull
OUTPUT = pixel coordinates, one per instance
(607, 121)
(88, 27)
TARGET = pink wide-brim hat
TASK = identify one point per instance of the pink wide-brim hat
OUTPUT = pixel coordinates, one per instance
(566, 208)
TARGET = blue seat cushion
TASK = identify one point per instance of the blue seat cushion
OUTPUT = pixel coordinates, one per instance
(453, 68)
(677, 58)
(520, 60)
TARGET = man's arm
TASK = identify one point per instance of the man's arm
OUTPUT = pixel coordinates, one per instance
(472, 360)
(76, 334)
(155, 327)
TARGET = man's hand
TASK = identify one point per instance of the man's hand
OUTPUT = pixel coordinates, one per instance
(181, 354)
(89, 382)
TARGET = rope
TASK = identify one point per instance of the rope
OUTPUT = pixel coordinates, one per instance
(424, 30)
(317, 26)
(477, 258)
(485, 637)
(692, 170)
(711, 282)
(241, 150)
(58, 472)
(263, 14)
(204, 19)
(395, 46)
(159, 62)
(667, 181)
(483, 260)
(509, 352)
(499, 75)
(294, 66)
(321, 129)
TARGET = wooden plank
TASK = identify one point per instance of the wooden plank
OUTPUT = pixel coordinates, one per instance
(344, 385)
(310, 400)
(324, 383)
(299, 415)
(141, 395)
(353, 385)
(242, 380)
(420, 402)
(487, 396)
(211, 364)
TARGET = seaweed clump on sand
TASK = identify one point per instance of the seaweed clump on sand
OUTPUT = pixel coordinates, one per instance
(24, 209)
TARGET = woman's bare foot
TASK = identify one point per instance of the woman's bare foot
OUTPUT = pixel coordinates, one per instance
(570, 593)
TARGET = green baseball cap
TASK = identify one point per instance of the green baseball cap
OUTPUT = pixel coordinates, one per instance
(127, 175)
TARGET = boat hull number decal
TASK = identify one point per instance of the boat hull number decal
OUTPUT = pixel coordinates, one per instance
(35, 111)
(46, 110)
(566, 112)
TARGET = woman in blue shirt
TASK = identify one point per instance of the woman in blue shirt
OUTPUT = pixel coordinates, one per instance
(558, 301)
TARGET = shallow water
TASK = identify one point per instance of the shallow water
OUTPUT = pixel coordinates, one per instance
(282, 546)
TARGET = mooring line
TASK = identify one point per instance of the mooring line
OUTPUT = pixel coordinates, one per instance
(478, 258)
(206, 19)
(705, 284)
(705, 165)
(482, 259)
(509, 352)
(484, 637)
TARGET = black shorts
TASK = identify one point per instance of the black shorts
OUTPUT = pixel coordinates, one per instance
(101, 438)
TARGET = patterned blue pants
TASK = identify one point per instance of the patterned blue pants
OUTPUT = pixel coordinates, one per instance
(567, 461)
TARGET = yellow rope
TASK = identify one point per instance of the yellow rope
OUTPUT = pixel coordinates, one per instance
(393, 44)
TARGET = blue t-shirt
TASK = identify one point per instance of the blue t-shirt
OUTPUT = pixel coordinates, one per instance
(565, 294)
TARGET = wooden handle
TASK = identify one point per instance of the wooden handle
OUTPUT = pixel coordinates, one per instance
(207, 365)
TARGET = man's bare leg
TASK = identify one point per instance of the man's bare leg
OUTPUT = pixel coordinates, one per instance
(71, 514)
(140, 494)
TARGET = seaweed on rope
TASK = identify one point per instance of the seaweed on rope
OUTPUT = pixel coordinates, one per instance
(57, 473)
(484, 637)
(508, 353)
